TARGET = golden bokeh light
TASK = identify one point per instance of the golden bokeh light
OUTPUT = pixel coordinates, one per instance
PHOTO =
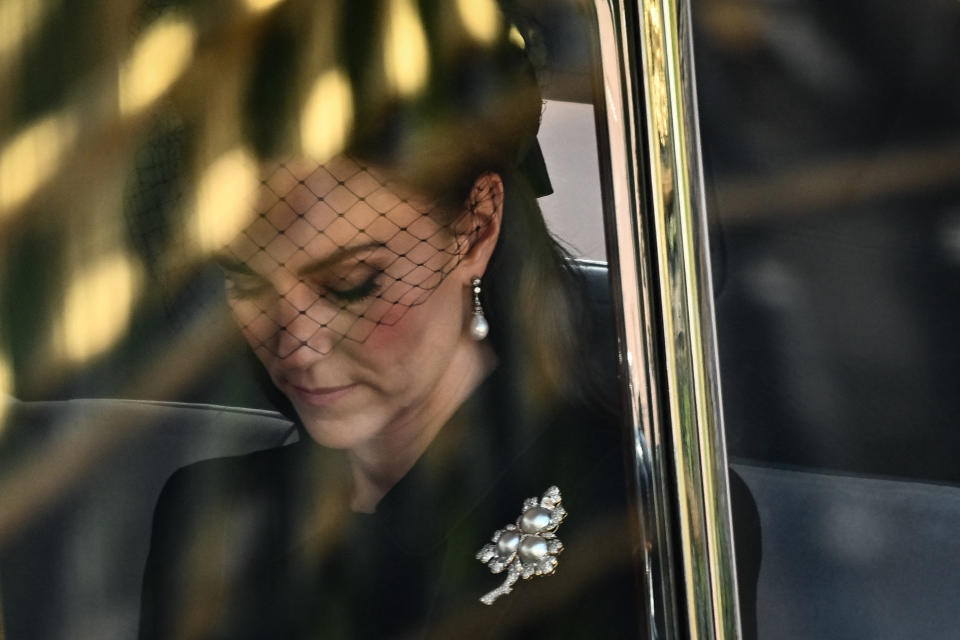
(516, 37)
(19, 19)
(32, 158)
(6, 391)
(260, 6)
(327, 116)
(480, 19)
(6, 375)
(224, 203)
(406, 59)
(158, 58)
(98, 304)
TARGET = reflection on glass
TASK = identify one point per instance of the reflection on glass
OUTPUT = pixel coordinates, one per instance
(832, 141)
(270, 230)
(158, 58)
(32, 157)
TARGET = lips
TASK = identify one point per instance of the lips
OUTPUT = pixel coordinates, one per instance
(321, 396)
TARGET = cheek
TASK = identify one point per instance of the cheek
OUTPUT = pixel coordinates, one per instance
(424, 331)
(399, 330)
(386, 314)
(256, 326)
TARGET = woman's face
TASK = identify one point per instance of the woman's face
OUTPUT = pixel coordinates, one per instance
(351, 295)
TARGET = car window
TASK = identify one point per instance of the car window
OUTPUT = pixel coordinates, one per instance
(230, 237)
(829, 138)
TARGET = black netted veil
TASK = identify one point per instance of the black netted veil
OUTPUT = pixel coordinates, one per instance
(335, 250)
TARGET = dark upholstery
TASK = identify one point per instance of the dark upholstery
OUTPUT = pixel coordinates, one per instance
(78, 484)
(854, 556)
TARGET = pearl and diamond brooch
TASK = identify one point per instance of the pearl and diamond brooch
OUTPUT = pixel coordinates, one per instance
(528, 547)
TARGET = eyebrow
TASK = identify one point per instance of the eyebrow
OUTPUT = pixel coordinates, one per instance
(339, 256)
(229, 263)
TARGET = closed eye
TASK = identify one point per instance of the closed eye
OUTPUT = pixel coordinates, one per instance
(365, 289)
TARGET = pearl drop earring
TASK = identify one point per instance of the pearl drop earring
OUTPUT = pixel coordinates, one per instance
(479, 327)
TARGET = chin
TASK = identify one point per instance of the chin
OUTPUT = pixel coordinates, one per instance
(337, 433)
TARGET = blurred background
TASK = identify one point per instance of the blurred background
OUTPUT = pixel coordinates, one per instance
(831, 146)
(831, 141)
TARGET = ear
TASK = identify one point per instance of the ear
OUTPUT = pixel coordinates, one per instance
(479, 229)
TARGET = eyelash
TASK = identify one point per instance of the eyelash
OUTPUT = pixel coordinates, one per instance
(362, 291)
(366, 289)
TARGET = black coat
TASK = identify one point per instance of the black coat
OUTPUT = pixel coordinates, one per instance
(264, 545)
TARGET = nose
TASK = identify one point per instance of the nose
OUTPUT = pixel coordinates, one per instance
(301, 332)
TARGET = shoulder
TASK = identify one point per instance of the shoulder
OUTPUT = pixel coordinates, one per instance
(231, 467)
(210, 518)
(200, 490)
(225, 470)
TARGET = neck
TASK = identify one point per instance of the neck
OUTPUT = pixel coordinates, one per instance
(377, 465)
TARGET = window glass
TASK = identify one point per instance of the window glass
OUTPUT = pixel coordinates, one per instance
(286, 346)
(830, 140)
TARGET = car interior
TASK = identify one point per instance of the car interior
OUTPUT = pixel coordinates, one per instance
(831, 150)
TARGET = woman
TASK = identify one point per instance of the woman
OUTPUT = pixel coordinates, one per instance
(425, 333)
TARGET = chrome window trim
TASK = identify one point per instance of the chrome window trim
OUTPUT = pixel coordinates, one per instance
(629, 260)
(657, 246)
